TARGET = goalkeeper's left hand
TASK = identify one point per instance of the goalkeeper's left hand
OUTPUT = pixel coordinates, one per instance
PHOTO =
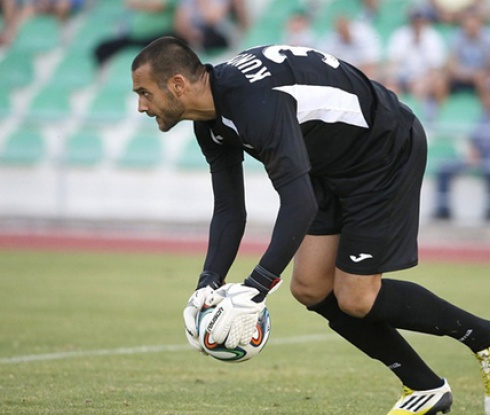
(238, 307)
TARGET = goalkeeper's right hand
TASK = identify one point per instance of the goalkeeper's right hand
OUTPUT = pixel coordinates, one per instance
(208, 282)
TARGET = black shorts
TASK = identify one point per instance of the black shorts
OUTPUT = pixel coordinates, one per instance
(378, 229)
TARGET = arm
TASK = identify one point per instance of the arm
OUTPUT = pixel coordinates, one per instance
(297, 209)
(147, 6)
(228, 221)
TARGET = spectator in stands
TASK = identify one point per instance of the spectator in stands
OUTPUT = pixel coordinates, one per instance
(469, 62)
(369, 10)
(416, 56)
(450, 11)
(145, 21)
(8, 11)
(211, 24)
(19, 11)
(356, 42)
(298, 31)
(477, 160)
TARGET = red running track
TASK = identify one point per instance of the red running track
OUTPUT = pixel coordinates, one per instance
(178, 244)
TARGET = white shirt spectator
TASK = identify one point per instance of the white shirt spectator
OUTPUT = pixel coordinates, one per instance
(413, 58)
(363, 46)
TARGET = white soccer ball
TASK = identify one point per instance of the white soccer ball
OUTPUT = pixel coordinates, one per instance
(240, 353)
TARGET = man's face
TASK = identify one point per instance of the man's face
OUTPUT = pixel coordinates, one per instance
(156, 101)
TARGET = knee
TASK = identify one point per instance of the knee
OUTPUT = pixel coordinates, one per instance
(358, 307)
(309, 294)
(356, 303)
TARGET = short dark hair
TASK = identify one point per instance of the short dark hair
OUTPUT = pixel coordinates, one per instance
(167, 57)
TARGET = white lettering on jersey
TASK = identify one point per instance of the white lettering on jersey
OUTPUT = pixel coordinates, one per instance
(325, 103)
(247, 63)
(274, 53)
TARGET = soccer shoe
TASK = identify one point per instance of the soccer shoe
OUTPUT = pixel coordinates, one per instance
(428, 402)
(484, 359)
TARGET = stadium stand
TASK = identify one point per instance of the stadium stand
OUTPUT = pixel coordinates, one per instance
(24, 147)
(104, 96)
(83, 149)
(142, 151)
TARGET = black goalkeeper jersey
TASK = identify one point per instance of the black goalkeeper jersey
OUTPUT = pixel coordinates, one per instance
(300, 112)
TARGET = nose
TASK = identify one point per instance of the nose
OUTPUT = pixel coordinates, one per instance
(142, 106)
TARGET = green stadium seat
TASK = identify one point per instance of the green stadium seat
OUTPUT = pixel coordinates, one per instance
(109, 104)
(40, 33)
(441, 148)
(83, 149)
(5, 104)
(142, 151)
(95, 28)
(23, 147)
(50, 104)
(270, 26)
(118, 73)
(76, 70)
(16, 69)
(413, 103)
(392, 14)
(459, 112)
(191, 158)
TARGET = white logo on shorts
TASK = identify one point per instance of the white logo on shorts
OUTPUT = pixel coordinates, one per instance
(360, 258)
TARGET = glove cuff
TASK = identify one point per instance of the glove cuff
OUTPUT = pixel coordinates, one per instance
(262, 280)
(209, 278)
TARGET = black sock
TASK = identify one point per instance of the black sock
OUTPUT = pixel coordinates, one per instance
(406, 305)
(382, 342)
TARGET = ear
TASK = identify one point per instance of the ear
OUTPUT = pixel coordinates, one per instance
(177, 84)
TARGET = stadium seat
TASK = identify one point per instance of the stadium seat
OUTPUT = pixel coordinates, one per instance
(50, 104)
(143, 151)
(83, 149)
(118, 72)
(23, 147)
(5, 104)
(459, 112)
(16, 69)
(270, 26)
(441, 148)
(392, 14)
(76, 70)
(96, 26)
(191, 158)
(40, 33)
(109, 105)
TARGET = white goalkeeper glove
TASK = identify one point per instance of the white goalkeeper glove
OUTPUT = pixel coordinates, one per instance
(203, 295)
(238, 307)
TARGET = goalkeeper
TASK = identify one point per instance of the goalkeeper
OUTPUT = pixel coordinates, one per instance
(347, 161)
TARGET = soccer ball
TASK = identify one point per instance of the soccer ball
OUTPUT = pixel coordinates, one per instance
(239, 353)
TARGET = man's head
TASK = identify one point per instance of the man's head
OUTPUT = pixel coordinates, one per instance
(163, 74)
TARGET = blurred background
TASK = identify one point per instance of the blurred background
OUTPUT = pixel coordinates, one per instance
(77, 157)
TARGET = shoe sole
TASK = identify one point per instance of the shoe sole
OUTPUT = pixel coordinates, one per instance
(444, 405)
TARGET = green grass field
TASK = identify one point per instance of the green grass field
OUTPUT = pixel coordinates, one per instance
(103, 334)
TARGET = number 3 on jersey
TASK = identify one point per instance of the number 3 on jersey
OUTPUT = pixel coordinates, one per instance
(274, 53)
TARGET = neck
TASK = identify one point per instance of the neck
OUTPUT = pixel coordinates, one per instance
(201, 103)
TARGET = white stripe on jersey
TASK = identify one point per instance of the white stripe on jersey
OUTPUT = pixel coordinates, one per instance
(325, 103)
(229, 123)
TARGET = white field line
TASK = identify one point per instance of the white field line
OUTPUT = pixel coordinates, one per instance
(149, 349)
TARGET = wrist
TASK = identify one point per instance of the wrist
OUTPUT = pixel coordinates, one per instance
(262, 279)
(209, 278)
